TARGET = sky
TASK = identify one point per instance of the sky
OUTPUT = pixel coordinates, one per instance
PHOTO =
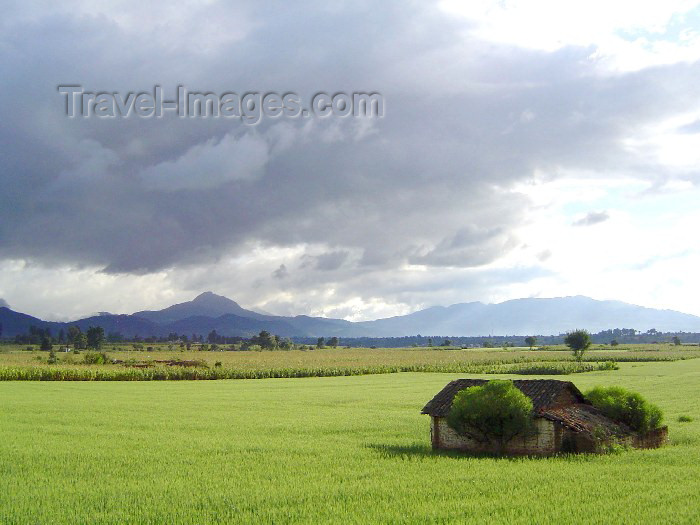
(527, 149)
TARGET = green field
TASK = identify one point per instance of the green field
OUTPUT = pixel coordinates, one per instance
(17, 363)
(318, 450)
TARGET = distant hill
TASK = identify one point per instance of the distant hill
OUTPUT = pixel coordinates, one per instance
(207, 304)
(532, 316)
(14, 323)
(209, 311)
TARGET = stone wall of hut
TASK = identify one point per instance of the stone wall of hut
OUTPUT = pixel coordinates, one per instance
(546, 439)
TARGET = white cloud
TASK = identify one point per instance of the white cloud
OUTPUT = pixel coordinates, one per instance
(624, 35)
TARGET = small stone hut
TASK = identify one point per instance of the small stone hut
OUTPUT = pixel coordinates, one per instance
(564, 422)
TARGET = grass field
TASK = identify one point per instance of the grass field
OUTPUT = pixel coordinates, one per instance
(318, 450)
(14, 355)
(17, 363)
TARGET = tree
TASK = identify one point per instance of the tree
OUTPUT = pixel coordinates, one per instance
(95, 337)
(676, 340)
(614, 342)
(73, 332)
(494, 413)
(46, 344)
(80, 341)
(578, 341)
(531, 341)
(320, 342)
(266, 340)
(446, 342)
(333, 342)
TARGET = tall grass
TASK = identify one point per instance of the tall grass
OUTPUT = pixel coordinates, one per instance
(50, 373)
(345, 450)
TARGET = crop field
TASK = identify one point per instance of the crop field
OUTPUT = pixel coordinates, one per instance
(17, 363)
(319, 450)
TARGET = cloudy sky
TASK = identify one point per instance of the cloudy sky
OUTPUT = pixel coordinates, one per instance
(528, 149)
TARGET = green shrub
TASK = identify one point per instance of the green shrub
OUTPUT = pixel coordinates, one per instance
(628, 407)
(95, 358)
(493, 413)
(684, 419)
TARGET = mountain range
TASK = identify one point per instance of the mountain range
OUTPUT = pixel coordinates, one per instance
(209, 311)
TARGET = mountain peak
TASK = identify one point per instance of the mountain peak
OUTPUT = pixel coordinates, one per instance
(207, 304)
(210, 298)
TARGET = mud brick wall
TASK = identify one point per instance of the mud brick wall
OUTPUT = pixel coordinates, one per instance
(543, 442)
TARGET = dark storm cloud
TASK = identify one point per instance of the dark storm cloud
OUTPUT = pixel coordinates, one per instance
(592, 218)
(427, 184)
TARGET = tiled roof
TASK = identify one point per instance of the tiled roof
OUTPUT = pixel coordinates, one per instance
(542, 392)
(584, 418)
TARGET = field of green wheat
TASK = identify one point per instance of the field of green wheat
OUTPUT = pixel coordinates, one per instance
(120, 363)
(319, 450)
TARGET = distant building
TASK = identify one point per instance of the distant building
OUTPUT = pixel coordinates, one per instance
(564, 422)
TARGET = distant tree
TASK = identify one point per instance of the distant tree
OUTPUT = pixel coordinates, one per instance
(73, 332)
(446, 342)
(213, 337)
(614, 342)
(676, 340)
(487, 344)
(61, 336)
(320, 343)
(80, 342)
(494, 413)
(0, 329)
(531, 341)
(579, 341)
(333, 342)
(46, 344)
(265, 340)
(430, 341)
(95, 337)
